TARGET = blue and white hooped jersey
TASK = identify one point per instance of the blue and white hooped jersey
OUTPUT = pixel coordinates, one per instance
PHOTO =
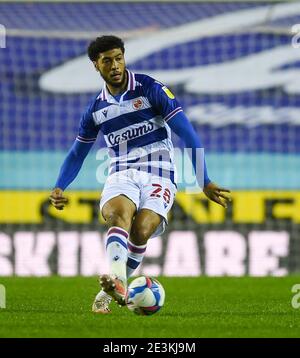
(134, 126)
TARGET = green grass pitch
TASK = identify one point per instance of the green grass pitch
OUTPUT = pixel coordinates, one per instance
(194, 307)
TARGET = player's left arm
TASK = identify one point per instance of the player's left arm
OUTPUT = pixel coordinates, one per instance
(164, 101)
(184, 129)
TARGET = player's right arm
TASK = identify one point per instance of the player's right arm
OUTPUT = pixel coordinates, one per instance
(72, 164)
(68, 172)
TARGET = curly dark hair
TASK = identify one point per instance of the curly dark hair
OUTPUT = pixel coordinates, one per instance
(102, 44)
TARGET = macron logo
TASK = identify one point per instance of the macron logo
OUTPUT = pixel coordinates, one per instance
(105, 112)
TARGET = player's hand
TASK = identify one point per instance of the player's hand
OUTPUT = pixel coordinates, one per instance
(216, 194)
(57, 199)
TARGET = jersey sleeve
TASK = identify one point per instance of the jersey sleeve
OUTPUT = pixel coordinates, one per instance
(162, 99)
(88, 130)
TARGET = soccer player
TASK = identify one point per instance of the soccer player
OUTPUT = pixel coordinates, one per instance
(135, 114)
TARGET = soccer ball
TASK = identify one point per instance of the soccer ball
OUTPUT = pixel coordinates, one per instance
(145, 296)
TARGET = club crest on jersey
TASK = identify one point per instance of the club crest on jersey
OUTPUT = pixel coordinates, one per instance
(137, 104)
(168, 92)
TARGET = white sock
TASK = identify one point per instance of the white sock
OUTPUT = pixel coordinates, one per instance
(135, 256)
(116, 248)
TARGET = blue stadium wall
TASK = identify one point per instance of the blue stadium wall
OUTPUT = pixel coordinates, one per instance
(237, 82)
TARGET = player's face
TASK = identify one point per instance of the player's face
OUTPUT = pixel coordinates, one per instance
(111, 65)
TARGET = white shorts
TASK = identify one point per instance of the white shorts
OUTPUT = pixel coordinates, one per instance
(145, 190)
